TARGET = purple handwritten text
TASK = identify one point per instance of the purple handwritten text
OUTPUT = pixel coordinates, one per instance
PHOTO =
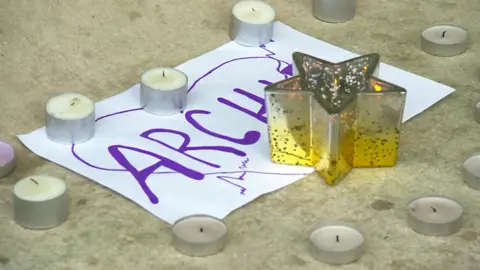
(259, 115)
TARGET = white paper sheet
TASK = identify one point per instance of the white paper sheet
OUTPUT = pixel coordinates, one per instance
(204, 181)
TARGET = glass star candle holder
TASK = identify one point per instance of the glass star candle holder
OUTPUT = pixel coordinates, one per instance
(334, 116)
(312, 116)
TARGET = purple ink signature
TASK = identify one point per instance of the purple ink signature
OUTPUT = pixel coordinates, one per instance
(192, 117)
(244, 164)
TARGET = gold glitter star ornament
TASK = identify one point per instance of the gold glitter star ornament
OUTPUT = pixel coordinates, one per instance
(334, 116)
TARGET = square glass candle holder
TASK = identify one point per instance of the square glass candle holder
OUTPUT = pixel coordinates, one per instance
(334, 117)
(379, 115)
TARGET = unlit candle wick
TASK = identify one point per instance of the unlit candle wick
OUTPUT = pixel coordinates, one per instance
(201, 229)
(33, 180)
(163, 73)
(443, 34)
(253, 9)
(434, 210)
(73, 101)
(338, 239)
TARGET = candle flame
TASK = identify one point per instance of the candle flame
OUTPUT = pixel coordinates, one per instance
(377, 88)
(364, 67)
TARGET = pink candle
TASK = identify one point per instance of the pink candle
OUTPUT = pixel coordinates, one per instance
(7, 159)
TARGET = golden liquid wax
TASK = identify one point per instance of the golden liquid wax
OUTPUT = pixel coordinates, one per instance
(376, 149)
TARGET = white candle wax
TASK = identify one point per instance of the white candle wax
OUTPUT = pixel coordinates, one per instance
(444, 40)
(253, 12)
(70, 118)
(39, 188)
(336, 243)
(252, 23)
(70, 106)
(164, 79)
(40, 202)
(7, 159)
(471, 171)
(435, 215)
(200, 235)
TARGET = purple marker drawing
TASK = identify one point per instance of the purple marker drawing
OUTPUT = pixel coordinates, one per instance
(184, 148)
(259, 115)
(267, 56)
(226, 179)
(141, 176)
(287, 71)
(244, 164)
(250, 137)
(264, 82)
(117, 113)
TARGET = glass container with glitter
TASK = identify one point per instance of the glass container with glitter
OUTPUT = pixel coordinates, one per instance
(289, 123)
(379, 115)
(320, 102)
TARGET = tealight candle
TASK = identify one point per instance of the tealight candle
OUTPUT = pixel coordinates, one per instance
(7, 159)
(435, 215)
(163, 91)
(40, 202)
(444, 40)
(252, 23)
(336, 243)
(334, 11)
(200, 235)
(471, 171)
(70, 118)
